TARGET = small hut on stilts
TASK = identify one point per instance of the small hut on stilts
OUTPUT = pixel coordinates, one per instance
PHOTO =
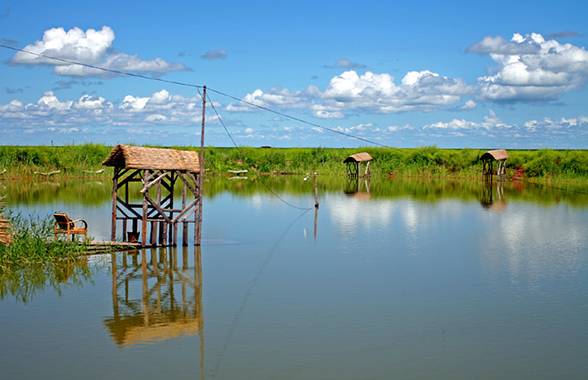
(488, 158)
(354, 162)
(157, 171)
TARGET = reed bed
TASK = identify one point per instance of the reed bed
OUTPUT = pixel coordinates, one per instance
(86, 160)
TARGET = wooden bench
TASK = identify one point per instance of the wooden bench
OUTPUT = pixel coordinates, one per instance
(65, 225)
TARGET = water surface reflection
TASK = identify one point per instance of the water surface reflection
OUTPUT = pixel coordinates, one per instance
(405, 279)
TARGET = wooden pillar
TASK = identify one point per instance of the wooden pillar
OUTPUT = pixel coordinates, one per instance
(161, 224)
(173, 232)
(184, 224)
(144, 217)
(114, 189)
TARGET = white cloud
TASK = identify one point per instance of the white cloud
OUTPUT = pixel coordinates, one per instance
(370, 92)
(92, 103)
(491, 121)
(155, 118)
(51, 102)
(160, 107)
(531, 68)
(549, 123)
(92, 47)
(133, 104)
(469, 105)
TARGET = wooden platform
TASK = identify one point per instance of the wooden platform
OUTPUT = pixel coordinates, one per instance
(110, 246)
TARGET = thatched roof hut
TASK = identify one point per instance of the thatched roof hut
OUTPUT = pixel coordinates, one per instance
(496, 155)
(135, 157)
(499, 155)
(359, 157)
(354, 161)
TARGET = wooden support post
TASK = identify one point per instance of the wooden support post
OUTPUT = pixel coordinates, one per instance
(173, 230)
(114, 200)
(184, 224)
(144, 219)
(161, 224)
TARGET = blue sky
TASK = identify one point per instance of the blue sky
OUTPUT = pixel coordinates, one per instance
(502, 74)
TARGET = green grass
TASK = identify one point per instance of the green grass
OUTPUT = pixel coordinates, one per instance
(425, 161)
(33, 244)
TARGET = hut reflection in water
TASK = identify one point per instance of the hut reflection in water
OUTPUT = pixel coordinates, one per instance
(493, 198)
(156, 296)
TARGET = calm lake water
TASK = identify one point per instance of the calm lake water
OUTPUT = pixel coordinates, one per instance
(399, 279)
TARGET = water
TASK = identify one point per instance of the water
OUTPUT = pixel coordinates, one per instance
(401, 279)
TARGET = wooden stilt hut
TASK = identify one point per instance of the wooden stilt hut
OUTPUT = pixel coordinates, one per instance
(488, 158)
(157, 171)
(354, 162)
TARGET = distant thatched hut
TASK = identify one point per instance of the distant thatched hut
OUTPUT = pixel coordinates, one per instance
(489, 157)
(354, 162)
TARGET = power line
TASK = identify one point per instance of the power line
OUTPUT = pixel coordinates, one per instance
(248, 293)
(185, 84)
(105, 69)
(220, 119)
(296, 118)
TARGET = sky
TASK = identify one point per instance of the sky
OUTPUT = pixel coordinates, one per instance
(421, 73)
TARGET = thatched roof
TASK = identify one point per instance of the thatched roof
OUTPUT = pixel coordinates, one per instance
(359, 157)
(135, 157)
(498, 155)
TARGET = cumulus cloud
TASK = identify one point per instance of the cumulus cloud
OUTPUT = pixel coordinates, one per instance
(93, 47)
(370, 92)
(491, 121)
(214, 54)
(550, 123)
(161, 107)
(531, 68)
(469, 105)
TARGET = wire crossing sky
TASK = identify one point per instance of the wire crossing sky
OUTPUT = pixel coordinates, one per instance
(451, 75)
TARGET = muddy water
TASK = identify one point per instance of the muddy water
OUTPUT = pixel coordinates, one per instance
(401, 279)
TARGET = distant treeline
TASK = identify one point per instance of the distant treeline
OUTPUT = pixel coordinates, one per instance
(84, 159)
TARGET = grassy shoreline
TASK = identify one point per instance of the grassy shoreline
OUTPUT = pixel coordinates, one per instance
(543, 166)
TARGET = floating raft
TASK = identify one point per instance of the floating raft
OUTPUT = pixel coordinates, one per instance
(110, 246)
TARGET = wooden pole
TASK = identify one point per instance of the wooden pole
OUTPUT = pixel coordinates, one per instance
(144, 218)
(184, 224)
(198, 237)
(114, 188)
(161, 224)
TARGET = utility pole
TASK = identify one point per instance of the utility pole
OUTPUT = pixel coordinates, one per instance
(198, 230)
